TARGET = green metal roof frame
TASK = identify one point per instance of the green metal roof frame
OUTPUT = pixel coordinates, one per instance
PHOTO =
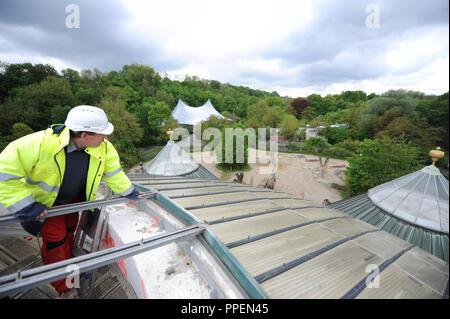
(360, 206)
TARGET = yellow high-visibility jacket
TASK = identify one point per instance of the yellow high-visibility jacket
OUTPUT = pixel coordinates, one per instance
(32, 169)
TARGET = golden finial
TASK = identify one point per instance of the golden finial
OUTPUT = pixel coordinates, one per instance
(170, 132)
(436, 154)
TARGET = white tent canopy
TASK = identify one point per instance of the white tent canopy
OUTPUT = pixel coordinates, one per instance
(186, 114)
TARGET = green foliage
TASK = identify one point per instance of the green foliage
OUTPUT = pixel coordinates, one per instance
(316, 144)
(234, 153)
(274, 101)
(381, 111)
(400, 127)
(58, 114)
(378, 162)
(37, 96)
(344, 149)
(157, 114)
(257, 111)
(272, 118)
(302, 135)
(337, 151)
(350, 145)
(126, 126)
(20, 129)
(229, 104)
(214, 122)
(435, 111)
(335, 134)
(19, 75)
(308, 113)
(354, 96)
(353, 120)
(336, 117)
(289, 126)
(293, 146)
(87, 96)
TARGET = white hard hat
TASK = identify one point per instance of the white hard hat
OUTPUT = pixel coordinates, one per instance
(90, 119)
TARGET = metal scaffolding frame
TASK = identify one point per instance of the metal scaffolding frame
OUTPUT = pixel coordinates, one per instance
(38, 276)
(70, 208)
(31, 278)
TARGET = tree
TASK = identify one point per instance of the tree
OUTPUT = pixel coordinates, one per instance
(308, 114)
(132, 98)
(19, 75)
(435, 111)
(233, 156)
(127, 131)
(272, 118)
(257, 111)
(329, 104)
(400, 127)
(353, 119)
(87, 96)
(72, 76)
(289, 126)
(316, 144)
(20, 129)
(354, 96)
(157, 114)
(337, 117)
(299, 105)
(378, 162)
(380, 111)
(274, 101)
(58, 114)
(38, 99)
(316, 103)
(229, 104)
(335, 134)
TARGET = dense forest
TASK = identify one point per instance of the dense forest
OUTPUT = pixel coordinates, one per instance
(390, 134)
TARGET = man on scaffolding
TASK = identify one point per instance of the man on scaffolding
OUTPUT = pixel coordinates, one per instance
(61, 165)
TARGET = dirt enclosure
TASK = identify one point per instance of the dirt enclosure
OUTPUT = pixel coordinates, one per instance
(295, 174)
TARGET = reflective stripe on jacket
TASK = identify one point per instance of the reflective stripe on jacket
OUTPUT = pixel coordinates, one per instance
(32, 169)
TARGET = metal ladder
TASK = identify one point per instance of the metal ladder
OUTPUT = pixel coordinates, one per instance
(96, 232)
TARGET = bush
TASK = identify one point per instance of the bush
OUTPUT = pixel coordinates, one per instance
(293, 146)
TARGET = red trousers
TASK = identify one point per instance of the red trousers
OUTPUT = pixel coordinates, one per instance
(57, 235)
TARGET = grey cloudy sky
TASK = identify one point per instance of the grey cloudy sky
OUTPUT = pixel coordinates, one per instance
(293, 47)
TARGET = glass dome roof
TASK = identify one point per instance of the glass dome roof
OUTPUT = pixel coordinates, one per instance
(172, 160)
(420, 198)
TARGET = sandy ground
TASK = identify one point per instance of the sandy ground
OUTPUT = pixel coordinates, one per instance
(295, 174)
